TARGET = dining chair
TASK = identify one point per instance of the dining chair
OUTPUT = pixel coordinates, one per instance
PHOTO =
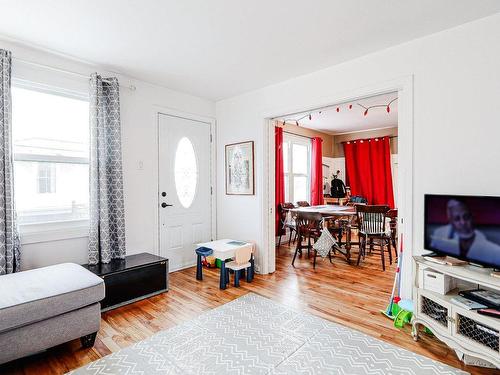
(392, 215)
(336, 228)
(350, 223)
(303, 204)
(287, 220)
(309, 226)
(372, 227)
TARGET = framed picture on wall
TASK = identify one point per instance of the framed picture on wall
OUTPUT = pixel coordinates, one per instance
(240, 169)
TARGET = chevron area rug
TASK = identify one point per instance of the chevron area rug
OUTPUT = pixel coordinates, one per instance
(254, 335)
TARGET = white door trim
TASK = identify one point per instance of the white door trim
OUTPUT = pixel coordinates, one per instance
(159, 110)
(404, 87)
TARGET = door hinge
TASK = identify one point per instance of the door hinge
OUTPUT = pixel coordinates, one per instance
(210, 137)
(211, 191)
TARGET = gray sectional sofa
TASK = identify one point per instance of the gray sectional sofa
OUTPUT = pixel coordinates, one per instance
(48, 306)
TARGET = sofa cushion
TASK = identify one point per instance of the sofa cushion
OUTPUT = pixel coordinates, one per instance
(35, 295)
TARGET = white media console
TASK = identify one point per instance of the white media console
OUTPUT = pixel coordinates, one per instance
(474, 337)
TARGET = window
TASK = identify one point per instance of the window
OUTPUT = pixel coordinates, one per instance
(297, 166)
(46, 178)
(185, 172)
(50, 134)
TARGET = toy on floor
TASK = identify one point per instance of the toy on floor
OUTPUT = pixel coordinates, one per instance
(208, 261)
(404, 314)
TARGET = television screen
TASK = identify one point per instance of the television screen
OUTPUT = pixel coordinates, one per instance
(465, 227)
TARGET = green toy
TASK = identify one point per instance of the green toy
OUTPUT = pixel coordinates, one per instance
(404, 314)
(402, 318)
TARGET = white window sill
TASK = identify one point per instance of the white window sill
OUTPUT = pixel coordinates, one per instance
(53, 231)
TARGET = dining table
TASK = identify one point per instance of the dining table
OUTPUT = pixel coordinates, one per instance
(335, 212)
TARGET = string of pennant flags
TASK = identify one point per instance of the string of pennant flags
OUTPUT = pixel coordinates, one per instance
(339, 108)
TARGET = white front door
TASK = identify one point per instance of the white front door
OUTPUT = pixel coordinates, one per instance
(184, 188)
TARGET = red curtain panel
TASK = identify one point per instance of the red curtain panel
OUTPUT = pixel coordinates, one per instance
(317, 171)
(280, 176)
(368, 167)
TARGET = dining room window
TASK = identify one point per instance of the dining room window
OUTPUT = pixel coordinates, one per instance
(297, 168)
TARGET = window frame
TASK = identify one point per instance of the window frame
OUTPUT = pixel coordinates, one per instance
(290, 140)
(52, 230)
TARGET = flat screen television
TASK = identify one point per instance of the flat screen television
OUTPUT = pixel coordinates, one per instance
(464, 227)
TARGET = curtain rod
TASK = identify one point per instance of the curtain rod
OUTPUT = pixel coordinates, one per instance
(130, 87)
(365, 139)
(298, 135)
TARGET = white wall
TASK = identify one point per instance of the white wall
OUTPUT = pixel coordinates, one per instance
(139, 144)
(456, 128)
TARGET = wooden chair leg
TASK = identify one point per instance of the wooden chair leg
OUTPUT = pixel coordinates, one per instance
(330, 255)
(362, 244)
(249, 276)
(297, 248)
(389, 250)
(382, 257)
(314, 260)
(290, 238)
(279, 240)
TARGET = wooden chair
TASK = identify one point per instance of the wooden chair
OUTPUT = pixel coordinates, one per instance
(392, 214)
(351, 222)
(309, 225)
(287, 221)
(303, 204)
(372, 226)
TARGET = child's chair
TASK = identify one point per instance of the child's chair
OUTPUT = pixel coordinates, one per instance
(240, 263)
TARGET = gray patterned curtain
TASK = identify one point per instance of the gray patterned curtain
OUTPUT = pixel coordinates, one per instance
(107, 216)
(9, 237)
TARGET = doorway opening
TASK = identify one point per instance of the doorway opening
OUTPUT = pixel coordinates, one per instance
(380, 115)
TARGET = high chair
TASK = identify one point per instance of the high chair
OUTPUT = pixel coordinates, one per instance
(240, 263)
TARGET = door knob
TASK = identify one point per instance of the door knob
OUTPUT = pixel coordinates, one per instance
(166, 205)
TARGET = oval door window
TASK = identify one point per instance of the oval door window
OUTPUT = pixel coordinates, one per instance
(185, 172)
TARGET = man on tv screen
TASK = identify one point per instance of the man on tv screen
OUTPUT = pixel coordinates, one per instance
(460, 238)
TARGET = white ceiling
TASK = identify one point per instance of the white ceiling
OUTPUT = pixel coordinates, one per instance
(350, 120)
(220, 48)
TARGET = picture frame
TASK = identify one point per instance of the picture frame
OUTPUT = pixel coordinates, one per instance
(239, 165)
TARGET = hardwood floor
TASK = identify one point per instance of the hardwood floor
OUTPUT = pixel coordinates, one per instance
(346, 294)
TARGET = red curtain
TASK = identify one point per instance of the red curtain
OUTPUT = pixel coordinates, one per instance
(317, 171)
(368, 167)
(280, 176)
